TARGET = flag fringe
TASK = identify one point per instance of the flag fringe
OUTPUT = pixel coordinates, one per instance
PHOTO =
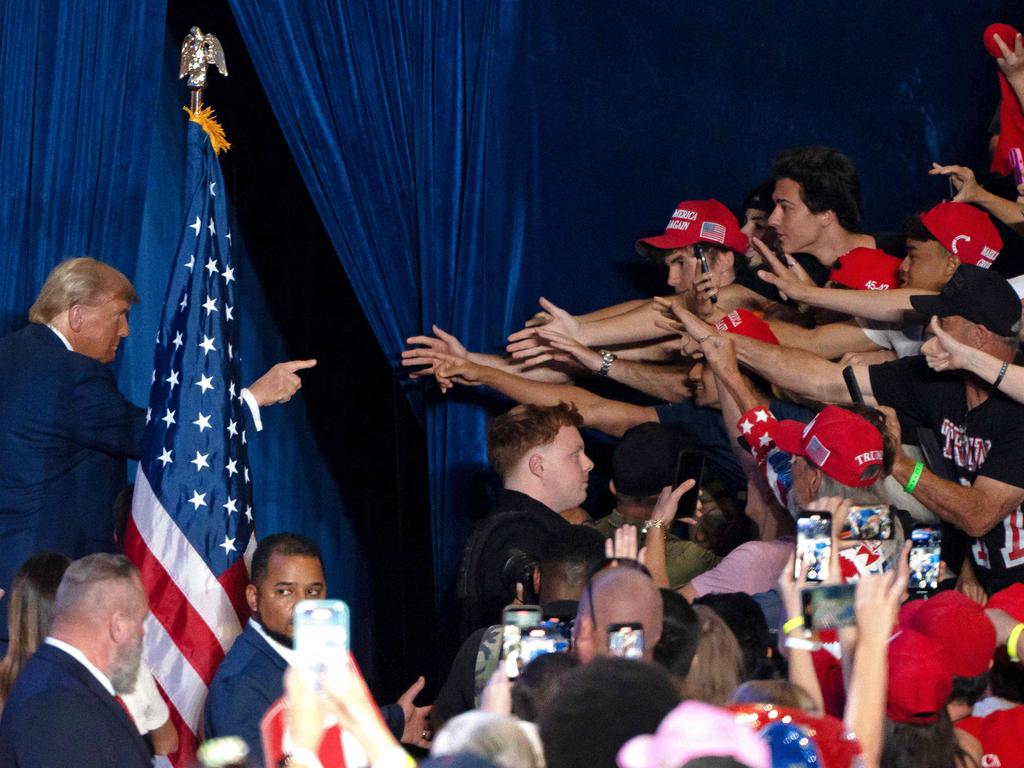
(213, 129)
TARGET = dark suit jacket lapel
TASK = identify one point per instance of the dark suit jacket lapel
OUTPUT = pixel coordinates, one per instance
(75, 669)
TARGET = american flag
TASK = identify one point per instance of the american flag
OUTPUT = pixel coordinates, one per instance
(712, 231)
(192, 517)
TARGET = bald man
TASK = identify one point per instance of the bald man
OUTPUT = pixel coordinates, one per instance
(64, 709)
(618, 595)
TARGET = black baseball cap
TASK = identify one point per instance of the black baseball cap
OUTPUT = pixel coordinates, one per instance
(646, 459)
(981, 296)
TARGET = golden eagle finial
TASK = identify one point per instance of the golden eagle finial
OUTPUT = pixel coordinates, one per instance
(198, 51)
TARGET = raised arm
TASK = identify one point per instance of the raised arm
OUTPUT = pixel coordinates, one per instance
(943, 353)
(970, 191)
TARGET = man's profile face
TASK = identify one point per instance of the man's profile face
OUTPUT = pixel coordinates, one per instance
(705, 386)
(566, 467)
(289, 580)
(958, 327)
(926, 266)
(683, 267)
(796, 226)
(102, 328)
(128, 655)
(755, 224)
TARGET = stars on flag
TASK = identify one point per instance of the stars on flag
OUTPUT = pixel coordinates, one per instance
(178, 340)
(229, 312)
(213, 229)
(191, 263)
(173, 379)
(168, 418)
(232, 467)
(203, 422)
(165, 457)
(233, 425)
(207, 344)
(200, 461)
(205, 383)
(229, 273)
(198, 499)
(228, 545)
(211, 266)
(196, 225)
(230, 506)
(210, 305)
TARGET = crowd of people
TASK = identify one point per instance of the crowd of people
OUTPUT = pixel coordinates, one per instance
(816, 551)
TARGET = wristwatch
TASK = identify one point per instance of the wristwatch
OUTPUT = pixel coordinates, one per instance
(607, 358)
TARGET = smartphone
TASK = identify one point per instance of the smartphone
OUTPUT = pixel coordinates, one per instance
(690, 464)
(626, 640)
(321, 640)
(536, 641)
(828, 607)
(515, 620)
(925, 553)
(814, 545)
(952, 188)
(698, 251)
(872, 522)
(1017, 163)
(851, 384)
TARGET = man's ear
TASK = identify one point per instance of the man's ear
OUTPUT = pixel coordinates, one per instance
(536, 581)
(951, 266)
(250, 597)
(726, 259)
(815, 480)
(119, 627)
(827, 218)
(611, 486)
(76, 317)
(536, 464)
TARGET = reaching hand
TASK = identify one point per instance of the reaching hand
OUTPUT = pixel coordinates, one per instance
(416, 731)
(496, 697)
(441, 342)
(623, 545)
(566, 349)
(944, 353)
(968, 190)
(878, 598)
(718, 348)
(1011, 63)
(450, 370)
(790, 278)
(705, 293)
(867, 358)
(280, 383)
(524, 343)
(667, 505)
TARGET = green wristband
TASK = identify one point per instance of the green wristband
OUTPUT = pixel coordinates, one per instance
(914, 477)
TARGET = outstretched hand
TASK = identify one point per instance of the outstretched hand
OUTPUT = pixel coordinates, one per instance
(1011, 63)
(528, 343)
(790, 278)
(441, 342)
(280, 383)
(416, 731)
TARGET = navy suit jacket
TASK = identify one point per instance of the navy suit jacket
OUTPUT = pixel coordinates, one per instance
(59, 716)
(65, 433)
(248, 681)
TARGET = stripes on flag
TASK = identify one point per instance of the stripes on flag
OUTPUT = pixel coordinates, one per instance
(191, 520)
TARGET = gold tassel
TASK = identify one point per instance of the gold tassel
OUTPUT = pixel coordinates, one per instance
(213, 129)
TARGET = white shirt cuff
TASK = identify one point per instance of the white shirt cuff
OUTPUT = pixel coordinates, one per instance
(254, 408)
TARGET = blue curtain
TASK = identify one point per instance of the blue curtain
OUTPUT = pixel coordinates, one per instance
(77, 92)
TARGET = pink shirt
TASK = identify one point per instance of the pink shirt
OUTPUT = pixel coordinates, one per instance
(752, 567)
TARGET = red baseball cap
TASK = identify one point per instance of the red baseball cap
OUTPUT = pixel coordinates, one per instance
(964, 231)
(959, 626)
(843, 445)
(746, 323)
(866, 269)
(919, 683)
(697, 221)
(1010, 600)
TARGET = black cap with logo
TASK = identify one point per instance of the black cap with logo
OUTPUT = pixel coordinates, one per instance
(979, 295)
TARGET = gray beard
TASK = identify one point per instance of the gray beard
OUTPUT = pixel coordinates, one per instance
(126, 668)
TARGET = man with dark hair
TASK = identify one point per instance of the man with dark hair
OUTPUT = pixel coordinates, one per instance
(538, 453)
(564, 561)
(600, 707)
(286, 569)
(65, 707)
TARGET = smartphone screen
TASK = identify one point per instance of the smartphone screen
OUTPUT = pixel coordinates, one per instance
(689, 465)
(869, 523)
(536, 641)
(829, 606)
(322, 640)
(813, 545)
(626, 640)
(516, 619)
(925, 554)
(1017, 163)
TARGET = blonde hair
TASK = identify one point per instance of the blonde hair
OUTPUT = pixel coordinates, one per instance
(79, 281)
(717, 667)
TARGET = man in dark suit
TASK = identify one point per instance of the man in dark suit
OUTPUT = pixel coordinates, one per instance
(286, 569)
(63, 709)
(65, 429)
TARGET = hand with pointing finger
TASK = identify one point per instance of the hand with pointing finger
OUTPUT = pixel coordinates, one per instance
(280, 383)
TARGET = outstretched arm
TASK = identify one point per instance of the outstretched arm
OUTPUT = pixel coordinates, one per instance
(970, 191)
(943, 352)
(610, 416)
(874, 305)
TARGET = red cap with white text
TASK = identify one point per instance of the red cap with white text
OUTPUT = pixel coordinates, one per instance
(745, 323)
(964, 231)
(843, 445)
(866, 269)
(697, 221)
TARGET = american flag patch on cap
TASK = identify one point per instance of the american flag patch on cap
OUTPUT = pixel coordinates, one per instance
(712, 231)
(817, 452)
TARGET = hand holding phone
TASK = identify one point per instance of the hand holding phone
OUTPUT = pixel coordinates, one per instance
(322, 641)
(626, 640)
(813, 545)
(925, 557)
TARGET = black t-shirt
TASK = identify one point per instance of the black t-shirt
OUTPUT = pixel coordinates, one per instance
(986, 441)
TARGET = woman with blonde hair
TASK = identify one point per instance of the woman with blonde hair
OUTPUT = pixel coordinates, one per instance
(717, 667)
